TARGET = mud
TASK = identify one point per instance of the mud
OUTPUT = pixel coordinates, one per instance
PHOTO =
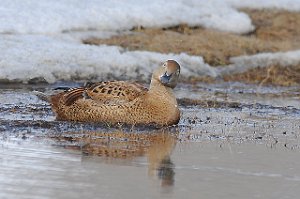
(21, 109)
(273, 75)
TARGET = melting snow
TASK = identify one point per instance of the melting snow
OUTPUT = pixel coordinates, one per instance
(36, 56)
(40, 38)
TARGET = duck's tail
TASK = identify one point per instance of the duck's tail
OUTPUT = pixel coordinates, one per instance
(42, 96)
(53, 99)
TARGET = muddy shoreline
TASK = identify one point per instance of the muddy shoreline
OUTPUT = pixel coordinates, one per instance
(209, 113)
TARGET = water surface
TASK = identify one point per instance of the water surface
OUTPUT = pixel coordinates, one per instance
(244, 145)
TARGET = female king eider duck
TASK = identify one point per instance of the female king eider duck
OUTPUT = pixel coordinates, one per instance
(123, 102)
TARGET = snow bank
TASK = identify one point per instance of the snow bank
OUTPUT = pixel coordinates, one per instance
(50, 16)
(26, 57)
(33, 43)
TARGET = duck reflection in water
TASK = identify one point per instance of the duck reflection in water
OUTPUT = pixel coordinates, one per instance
(120, 147)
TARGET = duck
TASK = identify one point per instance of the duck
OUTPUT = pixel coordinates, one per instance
(122, 102)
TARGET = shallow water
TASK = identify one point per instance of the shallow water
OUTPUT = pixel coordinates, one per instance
(246, 145)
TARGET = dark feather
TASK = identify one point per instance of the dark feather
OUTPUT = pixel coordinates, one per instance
(72, 95)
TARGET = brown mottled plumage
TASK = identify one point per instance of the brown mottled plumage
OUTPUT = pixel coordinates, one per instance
(123, 102)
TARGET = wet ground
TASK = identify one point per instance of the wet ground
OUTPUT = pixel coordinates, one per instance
(233, 141)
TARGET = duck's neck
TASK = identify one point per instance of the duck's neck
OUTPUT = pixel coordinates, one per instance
(156, 86)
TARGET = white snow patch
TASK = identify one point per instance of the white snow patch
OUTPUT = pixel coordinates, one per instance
(243, 63)
(49, 16)
(26, 57)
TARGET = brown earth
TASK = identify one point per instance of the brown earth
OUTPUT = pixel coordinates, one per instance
(275, 75)
(276, 30)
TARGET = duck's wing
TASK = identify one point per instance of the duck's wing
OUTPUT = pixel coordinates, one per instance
(114, 92)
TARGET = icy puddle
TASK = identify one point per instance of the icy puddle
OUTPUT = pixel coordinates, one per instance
(233, 141)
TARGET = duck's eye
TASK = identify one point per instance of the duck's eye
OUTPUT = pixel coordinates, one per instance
(165, 65)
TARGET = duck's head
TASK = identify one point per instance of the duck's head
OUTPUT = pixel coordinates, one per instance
(167, 74)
